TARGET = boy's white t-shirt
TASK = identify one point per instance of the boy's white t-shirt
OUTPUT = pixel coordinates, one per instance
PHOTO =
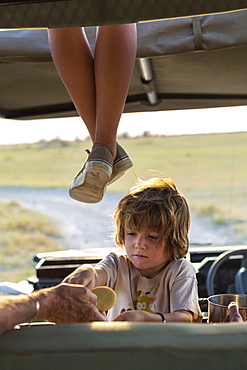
(174, 288)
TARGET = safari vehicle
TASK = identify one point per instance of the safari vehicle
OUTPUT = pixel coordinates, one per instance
(191, 54)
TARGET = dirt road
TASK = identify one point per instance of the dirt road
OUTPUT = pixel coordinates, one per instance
(90, 225)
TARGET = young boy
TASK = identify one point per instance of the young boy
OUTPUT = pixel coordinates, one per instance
(153, 281)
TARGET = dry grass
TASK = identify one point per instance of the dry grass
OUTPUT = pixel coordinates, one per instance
(23, 233)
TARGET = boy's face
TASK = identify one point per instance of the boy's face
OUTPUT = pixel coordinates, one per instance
(143, 251)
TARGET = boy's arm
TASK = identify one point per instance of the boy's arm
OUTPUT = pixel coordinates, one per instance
(142, 316)
(88, 276)
(178, 316)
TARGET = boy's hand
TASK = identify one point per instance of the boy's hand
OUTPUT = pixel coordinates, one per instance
(83, 275)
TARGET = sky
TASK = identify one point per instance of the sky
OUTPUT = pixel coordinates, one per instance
(182, 122)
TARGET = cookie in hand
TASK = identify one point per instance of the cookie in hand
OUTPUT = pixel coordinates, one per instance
(106, 297)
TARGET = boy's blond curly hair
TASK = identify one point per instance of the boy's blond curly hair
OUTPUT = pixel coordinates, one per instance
(155, 205)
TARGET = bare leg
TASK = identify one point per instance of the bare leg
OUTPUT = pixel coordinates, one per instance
(114, 59)
(74, 62)
(98, 85)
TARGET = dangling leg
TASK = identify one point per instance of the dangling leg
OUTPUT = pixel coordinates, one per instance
(114, 58)
(74, 62)
(98, 89)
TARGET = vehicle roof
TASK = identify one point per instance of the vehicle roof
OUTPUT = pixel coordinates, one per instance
(191, 62)
(76, 13)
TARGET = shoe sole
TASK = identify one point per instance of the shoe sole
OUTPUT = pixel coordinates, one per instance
(119, 168)
(91, 184)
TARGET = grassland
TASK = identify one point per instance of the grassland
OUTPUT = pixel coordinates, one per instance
(23, 233)
(207, 168)
(210, 170)
(196, 161)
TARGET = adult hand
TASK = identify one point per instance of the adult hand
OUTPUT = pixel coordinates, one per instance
(68, 303)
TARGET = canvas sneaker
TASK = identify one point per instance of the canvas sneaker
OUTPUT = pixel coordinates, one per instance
(121, 164)
(90, 183)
